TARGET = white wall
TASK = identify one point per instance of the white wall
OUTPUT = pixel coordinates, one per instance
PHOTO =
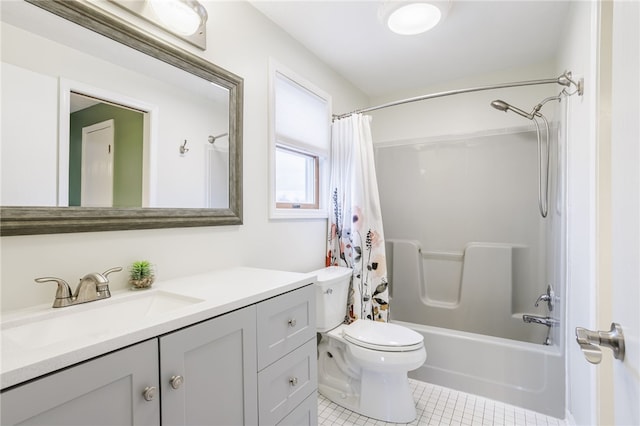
(465, 113)
(241, 40)
(20, 186)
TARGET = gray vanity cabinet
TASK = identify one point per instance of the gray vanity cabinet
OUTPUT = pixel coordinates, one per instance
(104, 391)
(208, 372)
(255, 365)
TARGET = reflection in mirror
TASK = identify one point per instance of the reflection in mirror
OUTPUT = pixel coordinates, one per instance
(187, 108)
(105, 154)
(141, 109)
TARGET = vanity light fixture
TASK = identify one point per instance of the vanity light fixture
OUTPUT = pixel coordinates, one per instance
(180, 16)
(186, 19)
(413, 17)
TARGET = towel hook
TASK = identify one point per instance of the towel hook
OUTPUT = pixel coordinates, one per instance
(183, 148)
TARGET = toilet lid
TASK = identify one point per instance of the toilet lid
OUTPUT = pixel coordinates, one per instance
(382, 336)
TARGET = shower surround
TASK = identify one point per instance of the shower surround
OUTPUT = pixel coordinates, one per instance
(469, 253)
(468, 243)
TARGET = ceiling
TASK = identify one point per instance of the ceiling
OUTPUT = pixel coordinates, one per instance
(477, 36)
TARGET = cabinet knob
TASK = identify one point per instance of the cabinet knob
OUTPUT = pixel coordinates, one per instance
(292, 322)
(149, 393)
(176, 381)
(293, 381)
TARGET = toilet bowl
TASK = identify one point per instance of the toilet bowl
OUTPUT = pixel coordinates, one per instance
(363, 366)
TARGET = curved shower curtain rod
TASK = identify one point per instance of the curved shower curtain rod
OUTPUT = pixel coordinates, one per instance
(565, 79)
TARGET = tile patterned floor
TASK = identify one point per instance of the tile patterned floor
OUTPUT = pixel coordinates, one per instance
(437, 405)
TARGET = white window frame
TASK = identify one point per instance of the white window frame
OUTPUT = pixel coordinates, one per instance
(276, 212)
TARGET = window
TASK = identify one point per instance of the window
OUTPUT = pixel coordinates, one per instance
(300, 137)
(296, 179)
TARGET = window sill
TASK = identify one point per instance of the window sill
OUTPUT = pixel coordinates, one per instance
(298, 214)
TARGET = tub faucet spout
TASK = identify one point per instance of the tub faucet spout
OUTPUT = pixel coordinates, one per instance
(548, 321)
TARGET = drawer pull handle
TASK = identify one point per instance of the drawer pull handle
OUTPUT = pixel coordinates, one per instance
(293, 381)
(149, 393)
(292, 322)
(176, 381)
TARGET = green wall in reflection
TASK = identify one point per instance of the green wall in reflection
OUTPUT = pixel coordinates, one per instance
(128, 141)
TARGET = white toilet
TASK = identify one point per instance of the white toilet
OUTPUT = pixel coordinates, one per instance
(363, 366)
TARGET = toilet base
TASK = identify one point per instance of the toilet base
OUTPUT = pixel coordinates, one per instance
(376, 401)
(387, 397)
(382, 396)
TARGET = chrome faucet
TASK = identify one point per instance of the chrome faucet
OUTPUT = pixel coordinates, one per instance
(93, 286)
(548, 321)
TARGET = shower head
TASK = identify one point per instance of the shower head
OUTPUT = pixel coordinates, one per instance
(501, 105)
(212, 138)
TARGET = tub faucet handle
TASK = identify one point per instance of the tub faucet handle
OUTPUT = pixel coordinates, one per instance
(547, 297)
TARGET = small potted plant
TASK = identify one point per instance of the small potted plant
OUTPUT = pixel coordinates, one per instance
(141, 274)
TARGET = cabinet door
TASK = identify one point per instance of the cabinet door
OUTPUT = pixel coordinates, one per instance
(104, 391)
(216, 362)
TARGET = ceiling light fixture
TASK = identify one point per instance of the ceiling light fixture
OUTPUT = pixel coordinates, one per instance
(413, 17)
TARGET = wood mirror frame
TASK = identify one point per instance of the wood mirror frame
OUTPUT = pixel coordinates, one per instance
(52, 220)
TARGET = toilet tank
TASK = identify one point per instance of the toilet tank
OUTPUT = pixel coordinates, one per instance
(332, 288)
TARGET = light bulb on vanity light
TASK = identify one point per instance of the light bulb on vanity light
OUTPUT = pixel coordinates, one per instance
(183, 17)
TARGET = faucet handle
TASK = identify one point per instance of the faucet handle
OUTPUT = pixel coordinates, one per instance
(542, 298)
(63, 293)
(111, 270)
(103, 288)
(548, 297)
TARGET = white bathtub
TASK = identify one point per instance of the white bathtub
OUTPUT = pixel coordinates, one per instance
(524, 374)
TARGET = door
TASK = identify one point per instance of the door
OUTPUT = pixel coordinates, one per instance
(109, 390)
(97, 165)
(625, 203)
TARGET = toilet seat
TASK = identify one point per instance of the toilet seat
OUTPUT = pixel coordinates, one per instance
(381, 336)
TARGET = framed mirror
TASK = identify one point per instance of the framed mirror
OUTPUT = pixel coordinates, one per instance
(184, 168)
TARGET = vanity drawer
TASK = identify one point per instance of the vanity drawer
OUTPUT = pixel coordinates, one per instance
(287, 383)
(284, 323)
(305, 414)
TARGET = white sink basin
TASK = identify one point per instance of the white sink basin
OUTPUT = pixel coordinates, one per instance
(93, 320)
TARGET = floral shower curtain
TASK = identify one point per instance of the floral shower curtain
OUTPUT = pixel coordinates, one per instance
(356, 238)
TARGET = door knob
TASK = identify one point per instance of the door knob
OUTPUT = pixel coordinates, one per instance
(591, 341)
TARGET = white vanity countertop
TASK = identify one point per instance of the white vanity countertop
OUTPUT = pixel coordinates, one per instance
(220, 292)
